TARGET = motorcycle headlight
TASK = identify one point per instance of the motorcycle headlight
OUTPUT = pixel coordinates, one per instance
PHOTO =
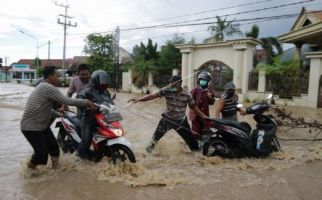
(117, 132)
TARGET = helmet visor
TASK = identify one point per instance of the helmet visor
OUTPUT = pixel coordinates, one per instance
(103, 79)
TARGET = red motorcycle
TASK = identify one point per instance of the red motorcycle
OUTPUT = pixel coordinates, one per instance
(107, 138)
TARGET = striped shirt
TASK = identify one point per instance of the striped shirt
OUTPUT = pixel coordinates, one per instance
(38, 110)
(230, 107)
(176, 104)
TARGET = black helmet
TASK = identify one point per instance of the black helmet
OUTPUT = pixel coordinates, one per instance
(175, 79)
(100, 80)
(230, 86)
(205, 75)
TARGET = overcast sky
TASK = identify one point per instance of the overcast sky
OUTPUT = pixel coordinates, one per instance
(39, 18)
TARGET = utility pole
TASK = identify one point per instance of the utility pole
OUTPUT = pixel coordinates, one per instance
(117, 56)
(49, 52)
(37, 58)
(66, 24)
(6, 67)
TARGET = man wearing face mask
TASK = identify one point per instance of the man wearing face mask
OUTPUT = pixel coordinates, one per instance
(174, 117)
(227, 104)
(203, 98)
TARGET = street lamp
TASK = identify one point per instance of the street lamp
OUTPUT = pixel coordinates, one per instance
(37, 62)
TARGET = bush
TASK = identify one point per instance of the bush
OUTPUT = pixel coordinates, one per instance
(286, 79)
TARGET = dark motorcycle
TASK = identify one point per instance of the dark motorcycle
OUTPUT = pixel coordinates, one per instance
(235, 140)
(107, 138)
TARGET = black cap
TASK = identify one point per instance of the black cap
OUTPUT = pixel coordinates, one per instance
(175, 79)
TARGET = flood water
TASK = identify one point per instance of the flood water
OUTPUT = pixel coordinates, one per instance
(170, 172)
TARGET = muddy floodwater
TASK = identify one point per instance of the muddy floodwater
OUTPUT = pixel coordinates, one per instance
(170, 172)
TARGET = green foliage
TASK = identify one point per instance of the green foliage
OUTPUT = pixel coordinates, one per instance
(271, 45)
(254, 32)
(268, 44)
(221, 29)
(288, 68)
(141, 68)
(145, 52)
(40, 72)
(138, 52)
(151, 51)
(34, 62)
(100, 48)
(285, 78)
(170, 56)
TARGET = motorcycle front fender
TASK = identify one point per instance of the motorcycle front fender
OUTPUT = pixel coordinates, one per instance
(119, 140)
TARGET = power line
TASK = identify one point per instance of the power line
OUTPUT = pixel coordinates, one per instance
(183, 33)
(207, 23)
(207, 11)
(239, 13)
(253, 20)
(176, 23)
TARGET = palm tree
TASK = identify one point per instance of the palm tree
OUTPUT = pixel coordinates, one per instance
(141, 69)
(221, 29)
(268, 44)
(254, 32)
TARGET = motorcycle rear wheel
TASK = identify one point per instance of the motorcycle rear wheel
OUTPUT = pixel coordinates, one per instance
(121, 153)
(215, 147)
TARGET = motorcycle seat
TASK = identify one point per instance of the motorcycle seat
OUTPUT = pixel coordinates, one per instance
(72, 117)
(244, 126)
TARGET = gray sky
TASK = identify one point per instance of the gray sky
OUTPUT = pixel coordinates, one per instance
(39, 18)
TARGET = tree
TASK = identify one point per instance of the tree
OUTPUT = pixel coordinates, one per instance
(151, 51)
(34, 62)
(139, 52)
(170, 56)
(141, 69)
(100, 48)
(254, 32)
(268, 44)
(221, 29)
(284, 77)
(145, 60)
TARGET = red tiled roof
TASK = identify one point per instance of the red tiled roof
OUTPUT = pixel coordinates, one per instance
(318, 15)
(56, 62)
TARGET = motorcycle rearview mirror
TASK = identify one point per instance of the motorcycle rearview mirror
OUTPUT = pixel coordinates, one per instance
(240, 105)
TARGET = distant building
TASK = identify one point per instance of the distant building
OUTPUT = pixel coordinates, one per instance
(17, 72)
(72, 63)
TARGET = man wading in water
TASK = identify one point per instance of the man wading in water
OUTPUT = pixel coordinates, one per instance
(174, 117)
(35, 122)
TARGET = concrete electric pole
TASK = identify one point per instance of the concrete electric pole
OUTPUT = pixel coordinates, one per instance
(49, 52)
(66, 24)
(117, 56)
